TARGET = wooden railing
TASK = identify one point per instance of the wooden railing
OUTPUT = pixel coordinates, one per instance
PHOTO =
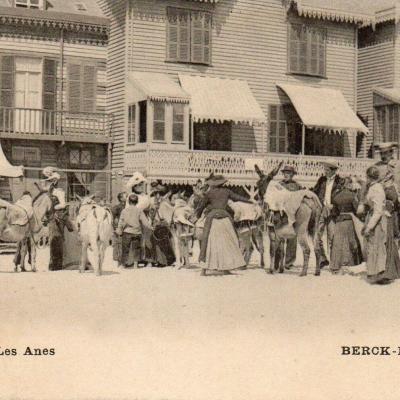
(53, 123)
(187, 166)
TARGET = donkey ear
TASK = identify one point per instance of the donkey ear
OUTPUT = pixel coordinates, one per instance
(79, 197)
(92, 196)
(258, 170)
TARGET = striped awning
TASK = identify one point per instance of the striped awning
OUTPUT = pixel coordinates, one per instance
(6, 169)
(219, 100)
(154, 86)
(391, 94)
(323, 108)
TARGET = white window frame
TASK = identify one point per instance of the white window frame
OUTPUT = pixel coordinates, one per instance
(28, 4)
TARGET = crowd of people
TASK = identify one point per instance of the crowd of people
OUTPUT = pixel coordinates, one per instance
(360, 218)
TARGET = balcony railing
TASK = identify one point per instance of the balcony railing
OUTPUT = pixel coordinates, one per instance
(187, 166)
(29, 121)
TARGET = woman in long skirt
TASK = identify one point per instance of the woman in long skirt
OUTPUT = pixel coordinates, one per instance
(378, 261)
(219, 249)
(346, 246)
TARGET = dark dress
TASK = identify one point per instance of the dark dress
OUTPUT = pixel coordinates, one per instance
(346, 248)
(215, 202)
(117, 243)
(59, 220)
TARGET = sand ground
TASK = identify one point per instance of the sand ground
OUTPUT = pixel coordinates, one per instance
(167, 334)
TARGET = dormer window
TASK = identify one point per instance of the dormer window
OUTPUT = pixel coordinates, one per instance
(35, 4)
(80, 7)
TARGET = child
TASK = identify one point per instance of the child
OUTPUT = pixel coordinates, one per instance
(130, 227)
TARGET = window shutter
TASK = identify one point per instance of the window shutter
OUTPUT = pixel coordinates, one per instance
(314, 52)
(322, 53)
(74, 88)
(207, 39)
(201, 37)
(172, 37)
(49, 84)
(89, 88)
(7, 73)
(184, 36)
(294, 42)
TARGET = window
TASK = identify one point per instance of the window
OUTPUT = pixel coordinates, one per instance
(213, 136)
(188, 35)
(159, 122)
(178, 122)
(26, 155)
(80, 157)
(38, 4)
(277, 130)
(307, 50)
(82, 88)
(387, 123)
(131, 123)
(80, 7)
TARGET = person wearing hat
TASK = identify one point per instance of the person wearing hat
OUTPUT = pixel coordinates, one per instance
(58, 220)
(326, 188)
(137, 185)
(387, 168)
(116, 213)
(290, 184)
(219, 248)
(380, 259)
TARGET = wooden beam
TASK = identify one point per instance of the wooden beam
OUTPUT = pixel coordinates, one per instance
(303, 139)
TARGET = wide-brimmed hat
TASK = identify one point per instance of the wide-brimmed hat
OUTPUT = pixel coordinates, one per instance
(157, 187)
(136, 179)
(51, 174)
(386, 146)
(289, 168)
(333, 164)
(216, 180)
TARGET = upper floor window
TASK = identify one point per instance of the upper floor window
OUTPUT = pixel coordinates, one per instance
(278, 132)
(82, 87)
(131, 124)
(387, 123)
(307, 50)
(189, 35)
(38, 4)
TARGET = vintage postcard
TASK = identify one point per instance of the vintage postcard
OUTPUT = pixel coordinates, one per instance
(199, 199)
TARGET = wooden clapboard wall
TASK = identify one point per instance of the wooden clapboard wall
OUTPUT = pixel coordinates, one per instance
(376, 67)
(79, 49)
(115, 10)
(249, 41)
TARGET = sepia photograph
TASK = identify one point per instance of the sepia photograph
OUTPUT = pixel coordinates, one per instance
(199, 199)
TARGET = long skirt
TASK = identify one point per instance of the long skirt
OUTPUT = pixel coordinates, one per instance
(346, 248)
(223, 252)
(392, 268)
(375, 249)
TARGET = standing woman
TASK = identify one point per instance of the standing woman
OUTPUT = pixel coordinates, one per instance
(219, 249)
(380, 266)
(58, 220)
(346, 245)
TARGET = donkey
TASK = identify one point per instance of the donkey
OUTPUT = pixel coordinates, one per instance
(23, 232)
(306, 223)
(95, 231)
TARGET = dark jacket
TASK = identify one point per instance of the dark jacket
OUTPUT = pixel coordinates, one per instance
(320, 187)
(217, 199)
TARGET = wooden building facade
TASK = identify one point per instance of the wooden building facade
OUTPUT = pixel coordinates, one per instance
(379, 74)
(53, 94)
(221, 85)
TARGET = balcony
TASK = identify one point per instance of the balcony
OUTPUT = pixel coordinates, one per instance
(26, 123)
(187, 166)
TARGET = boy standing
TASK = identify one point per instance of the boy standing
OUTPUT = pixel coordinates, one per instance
(130, 227)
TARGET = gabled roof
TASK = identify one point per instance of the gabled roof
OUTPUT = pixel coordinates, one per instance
(58, 10)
